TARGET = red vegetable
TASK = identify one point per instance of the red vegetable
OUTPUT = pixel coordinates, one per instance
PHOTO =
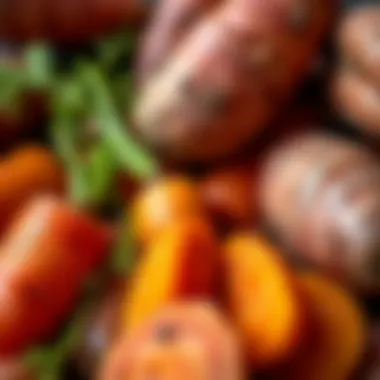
(65, 20)
(44, 259)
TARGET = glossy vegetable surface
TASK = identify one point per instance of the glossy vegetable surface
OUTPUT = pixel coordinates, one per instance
(320, 193)
(164, 274)
(265, 301)
(230, 76)
(189, 341)
(67, 21)
(46, 256)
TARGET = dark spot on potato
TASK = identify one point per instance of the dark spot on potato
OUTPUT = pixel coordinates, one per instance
(213, 102)
(188, 18)
(207, 103)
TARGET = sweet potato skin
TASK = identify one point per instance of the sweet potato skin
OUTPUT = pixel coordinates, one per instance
(320, 194)
(225, 82)
(69, 21)
(184, 340)
(264, 300)
(181, 263)
(46, 255)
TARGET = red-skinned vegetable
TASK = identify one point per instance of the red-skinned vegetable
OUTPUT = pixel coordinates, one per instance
(45, 257)
(66, 21)
(230, 76)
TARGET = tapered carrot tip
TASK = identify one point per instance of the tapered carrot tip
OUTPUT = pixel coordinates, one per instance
(180, 264)
(264, 298)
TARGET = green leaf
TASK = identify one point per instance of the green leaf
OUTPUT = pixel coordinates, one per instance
(39, 67)
(129, 153)
(50, 360)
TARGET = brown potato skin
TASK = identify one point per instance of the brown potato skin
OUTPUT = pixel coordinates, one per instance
(230, 76)
(358, 99)
(358, 39)
(320, 193)
(355, 85)
(68, 21)
(171, 21)
(199, 345)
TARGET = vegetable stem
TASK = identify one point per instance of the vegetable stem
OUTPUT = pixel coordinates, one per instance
(127, 151)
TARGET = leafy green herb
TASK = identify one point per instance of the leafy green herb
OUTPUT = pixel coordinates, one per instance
(128, 152)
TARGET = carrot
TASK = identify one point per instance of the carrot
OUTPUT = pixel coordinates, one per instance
(181, 263)
(337, 345)
(264, 298)
(162, 203)
(25, 173)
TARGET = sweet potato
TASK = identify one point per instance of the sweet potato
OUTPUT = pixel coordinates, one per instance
(190, 341)
(338, 342)
(264, 300)
(68, 21)
(171, 21)
(356, 83)
(45, 257)
(321, 194)
(180, 264)
(230, 76)
(162, 203)
(26, 172)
